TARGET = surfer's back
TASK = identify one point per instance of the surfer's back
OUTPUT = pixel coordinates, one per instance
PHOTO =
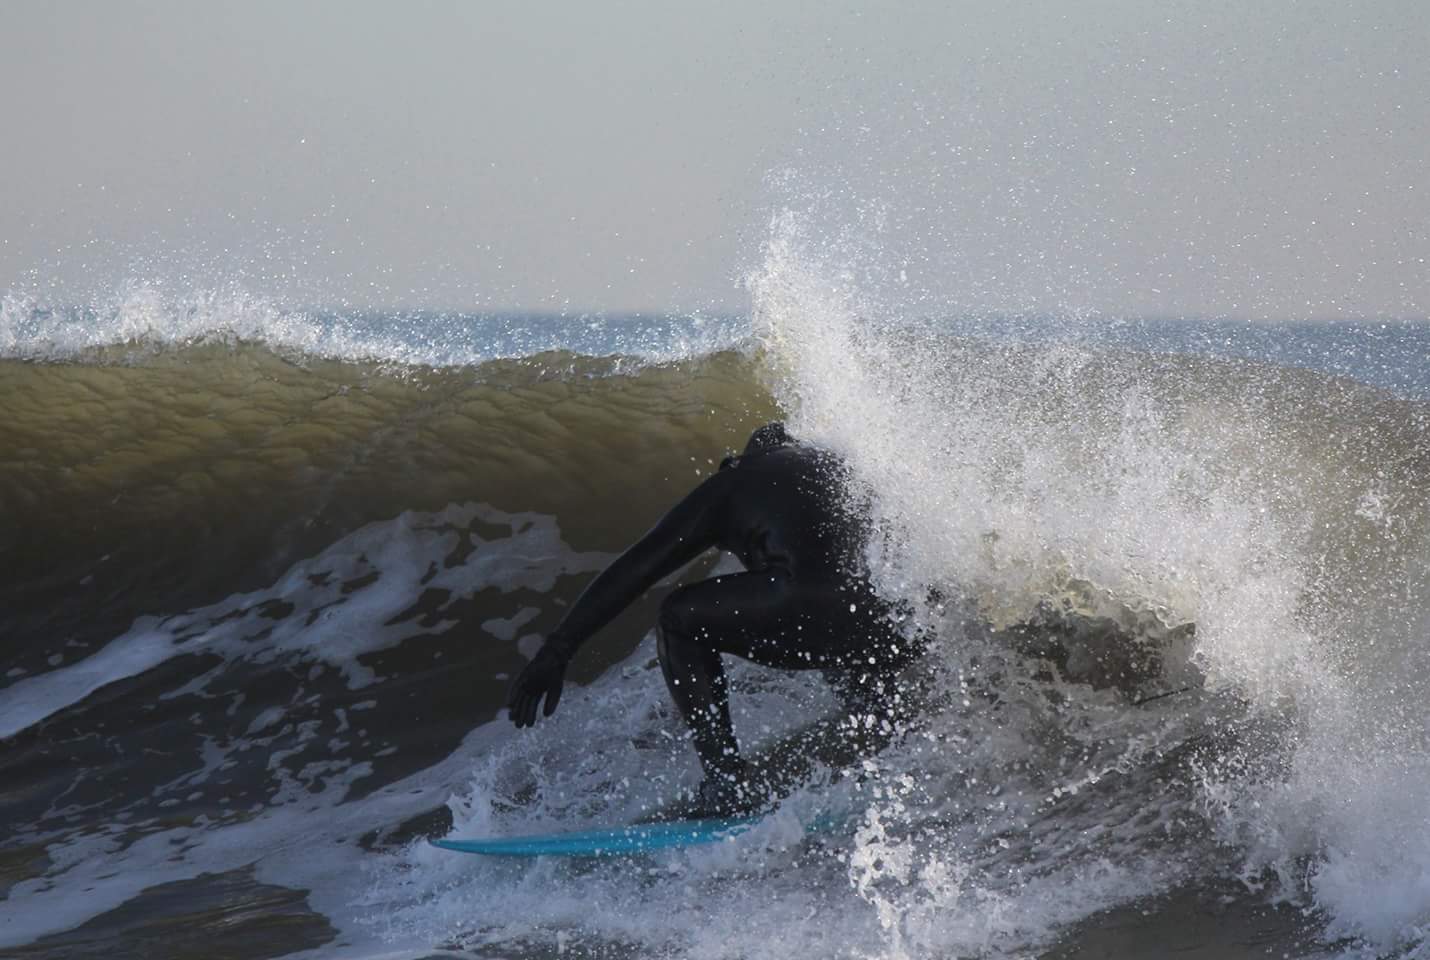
(787, 508)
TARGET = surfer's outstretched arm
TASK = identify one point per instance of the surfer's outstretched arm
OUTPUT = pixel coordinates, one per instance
(689, 529)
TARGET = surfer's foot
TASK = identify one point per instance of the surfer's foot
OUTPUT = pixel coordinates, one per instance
(731, 794)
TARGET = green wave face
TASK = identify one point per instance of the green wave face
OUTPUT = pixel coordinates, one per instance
(206, 469)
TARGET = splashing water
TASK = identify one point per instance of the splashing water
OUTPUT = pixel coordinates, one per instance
(1246, 503)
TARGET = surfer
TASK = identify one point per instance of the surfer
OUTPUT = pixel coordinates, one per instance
(783, 508)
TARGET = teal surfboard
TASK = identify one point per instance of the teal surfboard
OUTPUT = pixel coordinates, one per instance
(784, 764)
(611, 841)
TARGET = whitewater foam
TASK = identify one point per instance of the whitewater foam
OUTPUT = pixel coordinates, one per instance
(306, 828)
(313, 610)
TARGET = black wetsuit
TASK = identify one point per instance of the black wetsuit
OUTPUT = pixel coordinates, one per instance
(784, 509)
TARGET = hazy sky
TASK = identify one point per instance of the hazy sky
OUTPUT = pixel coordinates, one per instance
(1243, 159)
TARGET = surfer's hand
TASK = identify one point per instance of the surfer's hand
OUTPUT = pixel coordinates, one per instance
(542, 677)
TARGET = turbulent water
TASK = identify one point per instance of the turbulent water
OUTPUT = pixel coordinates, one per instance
(268, 573)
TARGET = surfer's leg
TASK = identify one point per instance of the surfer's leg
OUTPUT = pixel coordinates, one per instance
(776, 621)
(864, 673)
(690, 620)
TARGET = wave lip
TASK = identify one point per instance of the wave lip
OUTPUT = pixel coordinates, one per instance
(152, 318)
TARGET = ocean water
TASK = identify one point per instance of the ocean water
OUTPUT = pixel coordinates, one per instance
(269, 571)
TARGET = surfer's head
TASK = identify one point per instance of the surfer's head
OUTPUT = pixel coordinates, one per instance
(769, 437)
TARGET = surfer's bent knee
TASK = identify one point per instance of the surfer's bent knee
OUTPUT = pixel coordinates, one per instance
(676, 622)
